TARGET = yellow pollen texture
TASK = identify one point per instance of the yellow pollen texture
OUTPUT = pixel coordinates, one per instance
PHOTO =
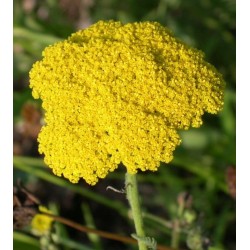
(118, 94)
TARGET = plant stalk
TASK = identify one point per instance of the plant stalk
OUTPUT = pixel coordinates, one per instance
(133, 198)
(175, 234)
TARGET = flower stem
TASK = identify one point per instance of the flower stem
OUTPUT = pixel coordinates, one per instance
(133, 198)
(175, 235)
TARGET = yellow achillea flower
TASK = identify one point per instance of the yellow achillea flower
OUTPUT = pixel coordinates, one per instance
(41, 224)
(117, 93)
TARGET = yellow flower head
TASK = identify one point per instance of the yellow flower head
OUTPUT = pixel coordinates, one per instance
(41, 224)
(117, 93)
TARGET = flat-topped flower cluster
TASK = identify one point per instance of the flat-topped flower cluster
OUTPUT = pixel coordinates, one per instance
(117, 93)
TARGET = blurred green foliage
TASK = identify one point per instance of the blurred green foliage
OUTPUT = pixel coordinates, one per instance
(201, 163)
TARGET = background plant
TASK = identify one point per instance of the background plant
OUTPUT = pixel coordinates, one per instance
(200, 166)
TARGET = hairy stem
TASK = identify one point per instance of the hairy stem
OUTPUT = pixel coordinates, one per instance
(133, 198)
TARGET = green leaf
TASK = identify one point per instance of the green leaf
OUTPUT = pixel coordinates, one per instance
(24, 242)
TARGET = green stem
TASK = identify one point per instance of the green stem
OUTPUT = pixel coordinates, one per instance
(176, 227)
(175, 235)
(133, 198)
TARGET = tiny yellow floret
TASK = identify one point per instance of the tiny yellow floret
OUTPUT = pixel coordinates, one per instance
(41, 223)
(117, 94)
